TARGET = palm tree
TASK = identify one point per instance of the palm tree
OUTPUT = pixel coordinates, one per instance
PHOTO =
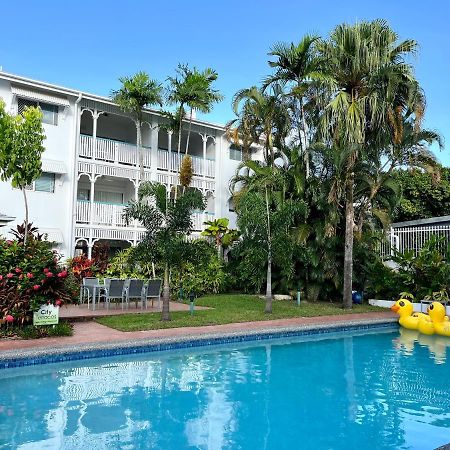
(136, 93)
(376, 189)
(192, 88)
(264, 204)
(364, 82)
(261, 118)
(296, 65)
(168, 221)
(219, 231)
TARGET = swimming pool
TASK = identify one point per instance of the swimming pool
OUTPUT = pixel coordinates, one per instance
(346, 390)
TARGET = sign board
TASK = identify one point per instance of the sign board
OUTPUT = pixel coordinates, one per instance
(46, 315)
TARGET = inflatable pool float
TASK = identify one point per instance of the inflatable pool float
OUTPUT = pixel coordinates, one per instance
(408, 318)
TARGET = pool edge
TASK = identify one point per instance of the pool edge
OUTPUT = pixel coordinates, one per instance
(41, 356)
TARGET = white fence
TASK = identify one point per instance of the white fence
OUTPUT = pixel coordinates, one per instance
(404, 239)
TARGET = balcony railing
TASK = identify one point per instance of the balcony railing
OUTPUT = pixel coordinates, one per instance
(112, 215)
(171, 161)
(112, 151)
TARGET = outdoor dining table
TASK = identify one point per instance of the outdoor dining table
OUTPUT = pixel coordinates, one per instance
(97, 290)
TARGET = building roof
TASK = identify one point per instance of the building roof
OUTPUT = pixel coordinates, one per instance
(442, 220)
(4, 219)
(56, 89)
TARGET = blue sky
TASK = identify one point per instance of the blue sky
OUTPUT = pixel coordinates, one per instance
(87, 45)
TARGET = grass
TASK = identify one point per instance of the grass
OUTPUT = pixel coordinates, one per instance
(34, 332)
(228, 309)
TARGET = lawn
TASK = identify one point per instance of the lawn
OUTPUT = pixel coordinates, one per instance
(228, 309)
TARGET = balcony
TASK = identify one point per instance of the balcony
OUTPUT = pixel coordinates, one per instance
(107, 215)
(111, 151)
(172, 161)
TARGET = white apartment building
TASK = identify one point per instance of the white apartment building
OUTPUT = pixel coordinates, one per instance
(90, 167)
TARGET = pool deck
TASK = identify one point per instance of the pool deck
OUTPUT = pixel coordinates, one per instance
(94, 336)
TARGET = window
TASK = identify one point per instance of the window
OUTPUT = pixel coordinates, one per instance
(45, 183)
(112, 198)
(49, 112)
(235, 153)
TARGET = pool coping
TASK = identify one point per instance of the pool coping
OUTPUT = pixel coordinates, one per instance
(85, 351)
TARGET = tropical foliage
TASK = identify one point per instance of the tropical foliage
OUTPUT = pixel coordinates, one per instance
(21, 148)
(334, 122)
(167, 219)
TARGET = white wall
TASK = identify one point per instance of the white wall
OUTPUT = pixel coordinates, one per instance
(46, 210)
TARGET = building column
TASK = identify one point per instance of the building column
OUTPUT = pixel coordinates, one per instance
(169, 151)
(90, 245)
(154, 149)
(91, 198)
(95, 117)
(205, 141)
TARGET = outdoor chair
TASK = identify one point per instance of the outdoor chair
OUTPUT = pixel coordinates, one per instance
(153, 290)
(89, 289)
(135, 291)
(115, 292)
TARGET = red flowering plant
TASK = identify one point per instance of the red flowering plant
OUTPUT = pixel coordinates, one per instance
(29, 277)
(82, 267)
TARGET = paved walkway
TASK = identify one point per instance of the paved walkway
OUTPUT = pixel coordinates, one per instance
(94, 333)
(81, 312)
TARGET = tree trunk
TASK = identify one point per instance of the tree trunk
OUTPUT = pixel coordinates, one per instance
(306, 154)
(180, 129)
(140, 150)
(268, 308)
(348, 255)
(26, 216)
(189, 133)
(166, 295)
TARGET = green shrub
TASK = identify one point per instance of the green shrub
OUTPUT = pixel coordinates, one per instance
(420, 275)
(29, 277)
(204, 278)
(34, 332)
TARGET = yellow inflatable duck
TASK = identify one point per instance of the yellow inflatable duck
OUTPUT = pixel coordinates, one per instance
(440, 321)
(408, 318)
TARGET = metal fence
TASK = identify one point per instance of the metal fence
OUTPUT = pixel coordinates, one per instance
(412, 238)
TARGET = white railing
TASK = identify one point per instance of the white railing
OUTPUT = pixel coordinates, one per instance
(109, 234)
(112, 151)
(172, 161)
(199, 183)
(107, 215)
(110, 170)
(404, 239)
(103, 214)
(199, 218)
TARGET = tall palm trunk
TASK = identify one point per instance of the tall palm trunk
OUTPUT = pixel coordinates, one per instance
(268, 308)
(140, 149)
(26, 217)
(305, 140)
(189, 133)
(166, 295)
(348, 252)
(180, 129)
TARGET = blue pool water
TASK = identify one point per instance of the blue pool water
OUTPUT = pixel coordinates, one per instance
(355, 390)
